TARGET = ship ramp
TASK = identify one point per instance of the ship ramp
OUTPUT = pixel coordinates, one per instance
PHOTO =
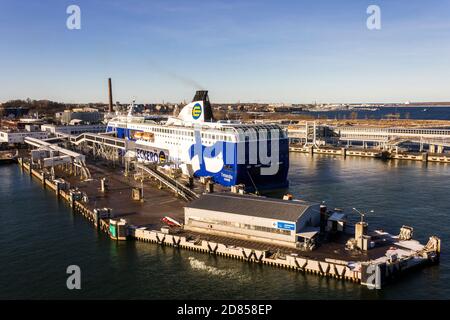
(180, 189)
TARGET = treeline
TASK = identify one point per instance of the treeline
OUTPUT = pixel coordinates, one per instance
(33, 106)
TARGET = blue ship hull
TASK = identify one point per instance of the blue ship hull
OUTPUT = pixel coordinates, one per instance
(232, 172)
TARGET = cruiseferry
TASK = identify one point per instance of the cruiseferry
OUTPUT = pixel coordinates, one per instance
(229, 152)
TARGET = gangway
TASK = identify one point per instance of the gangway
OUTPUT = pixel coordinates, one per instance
(172, 184)
(392, 136)
(77, 159)
(102, 144)
(96, 138)
(107, 146)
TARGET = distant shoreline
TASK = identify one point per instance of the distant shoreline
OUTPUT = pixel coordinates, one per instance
(428, 105)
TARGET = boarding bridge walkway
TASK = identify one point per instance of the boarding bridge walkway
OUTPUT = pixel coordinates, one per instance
(395, 136)
(76, 158)
(102, 144)
(391, 136)
(183, 191)
(94, 138)
(108, 146)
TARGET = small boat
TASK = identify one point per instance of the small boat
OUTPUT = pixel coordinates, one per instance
(7, 157)
(171, 222)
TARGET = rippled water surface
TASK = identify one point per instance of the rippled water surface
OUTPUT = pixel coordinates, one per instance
(39, 238)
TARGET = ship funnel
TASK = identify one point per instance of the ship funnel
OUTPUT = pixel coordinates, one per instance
(199, 110)
(202, 95)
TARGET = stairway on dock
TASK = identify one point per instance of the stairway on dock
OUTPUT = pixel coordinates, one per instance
(180, 189)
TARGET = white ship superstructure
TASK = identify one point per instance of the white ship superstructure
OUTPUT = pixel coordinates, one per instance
(201, 146)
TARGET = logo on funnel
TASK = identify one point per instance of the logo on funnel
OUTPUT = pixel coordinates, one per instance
(196, 111)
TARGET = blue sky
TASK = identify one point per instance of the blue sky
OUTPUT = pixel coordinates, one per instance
(260, 51)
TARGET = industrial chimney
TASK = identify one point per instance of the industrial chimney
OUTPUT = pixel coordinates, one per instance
(110, 108)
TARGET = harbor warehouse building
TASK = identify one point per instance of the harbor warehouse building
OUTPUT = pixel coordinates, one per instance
(252, 218)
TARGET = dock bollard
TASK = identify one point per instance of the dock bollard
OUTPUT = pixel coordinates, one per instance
(43, 179)
(103, 184)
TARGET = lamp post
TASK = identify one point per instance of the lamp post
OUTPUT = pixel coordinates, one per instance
(362, 214)
(361, 231)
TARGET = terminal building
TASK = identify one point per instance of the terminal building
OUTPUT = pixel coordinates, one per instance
(280, 222)
(18, 136)
(73, 129)
(86, 115)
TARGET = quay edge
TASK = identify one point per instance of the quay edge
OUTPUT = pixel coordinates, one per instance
(372, 274)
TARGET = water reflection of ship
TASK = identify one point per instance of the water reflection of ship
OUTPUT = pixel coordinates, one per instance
(392, 115)
(365, 109)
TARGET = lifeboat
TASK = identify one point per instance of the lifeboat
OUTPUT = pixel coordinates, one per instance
(148, 136)
(138, 135)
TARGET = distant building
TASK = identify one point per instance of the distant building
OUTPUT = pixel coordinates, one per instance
(86, 115)
(58, 115)
(16, 137)
(74, 129)
(14, 112)
(20, 124)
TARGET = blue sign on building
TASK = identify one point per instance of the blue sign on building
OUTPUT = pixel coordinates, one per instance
(285, 226)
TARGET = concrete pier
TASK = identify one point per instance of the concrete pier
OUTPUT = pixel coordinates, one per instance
(121, 218)
(374, 153)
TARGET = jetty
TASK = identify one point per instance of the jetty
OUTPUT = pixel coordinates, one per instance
(125, 208)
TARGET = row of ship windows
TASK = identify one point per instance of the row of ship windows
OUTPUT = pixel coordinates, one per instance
(209, 135)
(214, 137)
(242, 226)
(181, 134)
(178, 143)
